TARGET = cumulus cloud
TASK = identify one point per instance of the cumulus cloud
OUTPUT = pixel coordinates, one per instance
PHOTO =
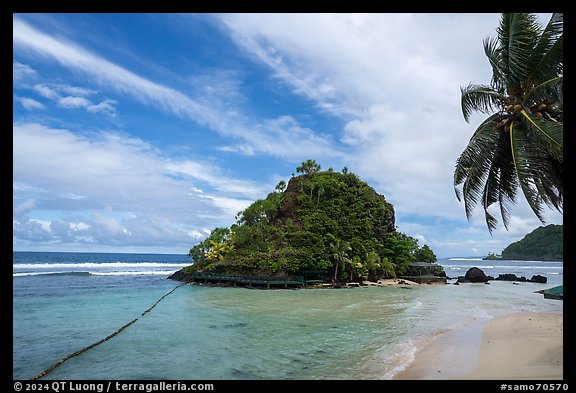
(396, 88)
(30, 103)
(46, 91)
(21, 71)
(73, 102)
(74, 97)
(400, 107)
(118, 186)
(391, 86)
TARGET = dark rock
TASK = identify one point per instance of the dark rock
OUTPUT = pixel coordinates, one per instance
(181, 276)
(539, 279)
(475, 274)
(512, 277)
(507, 277)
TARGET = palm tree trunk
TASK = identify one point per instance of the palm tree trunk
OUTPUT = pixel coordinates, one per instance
(336, 271)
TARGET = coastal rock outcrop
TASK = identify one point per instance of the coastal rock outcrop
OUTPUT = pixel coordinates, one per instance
(512, 277)
(304, 231)
(474, 274)
(181, 275)
(539, 279)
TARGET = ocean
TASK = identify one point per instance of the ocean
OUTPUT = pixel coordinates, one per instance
(63, 302)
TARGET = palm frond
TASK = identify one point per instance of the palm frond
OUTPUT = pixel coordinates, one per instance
(550, 64)
(549, 89)
(483, 138)
(508, 188)
(516, 148)
(555, 26)
(492, 51)
(479, 98)
(551, 184)
(548, 55)
(549, 188)
(518, 34)
(473, 165)
(527, 165)
(491, 221)
(501, 183)
(490, 194)
(548, 134)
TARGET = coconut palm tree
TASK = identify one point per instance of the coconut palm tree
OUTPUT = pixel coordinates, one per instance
(308, 167)
(339, 250)
(520, 144)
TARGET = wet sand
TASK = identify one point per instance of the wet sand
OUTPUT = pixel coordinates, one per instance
(522, 345)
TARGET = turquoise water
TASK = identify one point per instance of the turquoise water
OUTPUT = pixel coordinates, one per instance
(64, 302)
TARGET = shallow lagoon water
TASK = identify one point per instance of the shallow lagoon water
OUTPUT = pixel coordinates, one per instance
(211, 333)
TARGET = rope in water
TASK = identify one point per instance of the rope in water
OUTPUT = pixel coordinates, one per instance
(59, 362)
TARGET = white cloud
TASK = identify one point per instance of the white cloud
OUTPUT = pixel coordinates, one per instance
(76, 90)
(117, 187)
(224, 120)
(395, 85)
(79, 226)
(230, 205)
(401, 107)
(285, 137)
(200, 234)
(109, 224)
(22, 71)
(73, 102)
(54, 91)
(104, 106)
(348, 62)
(219, 87)
(215, 178)
(44, 224)
(70, 55)
(30, 103)
(24, 206)
(77, 100)
(392, 85)
(46, 91)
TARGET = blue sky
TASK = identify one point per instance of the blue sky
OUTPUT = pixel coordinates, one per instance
(143, 132)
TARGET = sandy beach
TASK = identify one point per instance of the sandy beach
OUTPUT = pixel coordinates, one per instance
(515, 346)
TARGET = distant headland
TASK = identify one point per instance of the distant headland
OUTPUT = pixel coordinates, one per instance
(545, 243)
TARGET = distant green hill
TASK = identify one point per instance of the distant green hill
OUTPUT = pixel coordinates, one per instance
(542, 244)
